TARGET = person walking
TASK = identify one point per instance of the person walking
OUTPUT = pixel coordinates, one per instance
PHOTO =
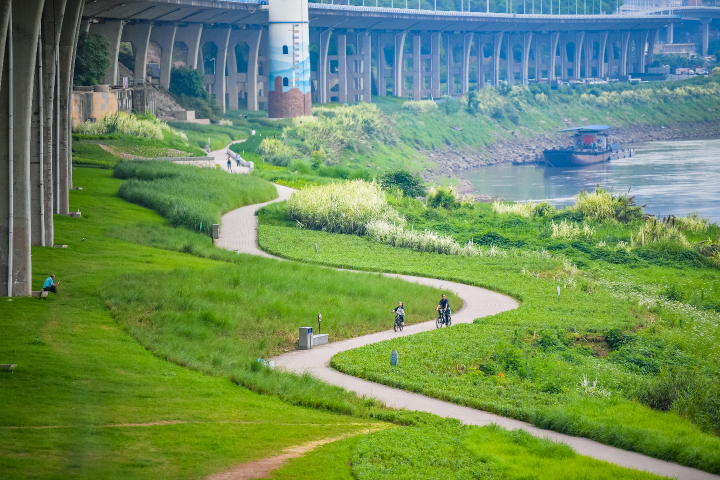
(229, 164)
(50, 285)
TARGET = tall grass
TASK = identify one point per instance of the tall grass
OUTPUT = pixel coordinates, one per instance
(526, 209)
(567, 230)
(341, 207)
(189, 197)
(657, 232)
(420, 106)
(127, 124)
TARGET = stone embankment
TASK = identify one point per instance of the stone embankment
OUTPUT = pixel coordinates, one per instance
(450, 162)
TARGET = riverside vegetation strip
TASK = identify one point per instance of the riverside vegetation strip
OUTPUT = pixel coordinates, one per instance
(621, 338)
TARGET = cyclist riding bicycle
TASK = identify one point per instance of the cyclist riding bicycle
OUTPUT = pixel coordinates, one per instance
(400, 312)
(444, 306)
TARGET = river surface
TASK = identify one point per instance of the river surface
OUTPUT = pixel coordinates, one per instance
(673, 177)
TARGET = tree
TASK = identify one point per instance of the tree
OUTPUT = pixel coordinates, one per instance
(92, 59)
(411, 184)
(187, 81)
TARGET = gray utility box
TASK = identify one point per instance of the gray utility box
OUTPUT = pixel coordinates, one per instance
(305, 341)
(320, 339)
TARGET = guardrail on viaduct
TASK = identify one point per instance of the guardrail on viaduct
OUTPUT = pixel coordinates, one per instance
(37, 49)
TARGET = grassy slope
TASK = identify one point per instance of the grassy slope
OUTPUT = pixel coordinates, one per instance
(446, 450)
(617, 421)
(78, 369)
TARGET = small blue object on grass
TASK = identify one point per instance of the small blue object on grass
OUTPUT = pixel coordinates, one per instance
(558, 290)
(394, 359)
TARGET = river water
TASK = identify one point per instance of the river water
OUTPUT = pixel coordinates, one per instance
(673, 177)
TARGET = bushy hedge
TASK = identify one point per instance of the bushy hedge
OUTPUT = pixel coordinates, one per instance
(189, 197)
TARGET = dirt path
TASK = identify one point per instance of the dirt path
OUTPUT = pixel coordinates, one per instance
(264, 467)
(239, 233)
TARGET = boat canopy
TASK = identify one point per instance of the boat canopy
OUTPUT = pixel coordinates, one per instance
(587, 128)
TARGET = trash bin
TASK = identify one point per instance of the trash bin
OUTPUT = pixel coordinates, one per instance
(305, 341)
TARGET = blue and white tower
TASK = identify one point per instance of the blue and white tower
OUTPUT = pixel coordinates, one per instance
(289, 93)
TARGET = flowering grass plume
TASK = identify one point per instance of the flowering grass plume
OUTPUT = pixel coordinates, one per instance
(523, 209)
(127, 124)
(656, 232)
(341, 207)
(568, 230)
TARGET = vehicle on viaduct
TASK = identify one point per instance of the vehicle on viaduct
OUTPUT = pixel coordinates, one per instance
(38, 41)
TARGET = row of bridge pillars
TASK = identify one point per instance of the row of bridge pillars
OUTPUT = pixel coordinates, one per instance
(140, 35)
(347, 76)
(37, 53)
(414, 68)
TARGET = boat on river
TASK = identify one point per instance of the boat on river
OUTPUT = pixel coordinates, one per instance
(590, 145)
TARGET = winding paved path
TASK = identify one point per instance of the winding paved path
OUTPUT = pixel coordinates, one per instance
(239, 233)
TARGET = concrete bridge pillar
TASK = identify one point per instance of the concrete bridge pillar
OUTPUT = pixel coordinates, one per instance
(652, 37)
(398, 66)
(624, 43)
(190, 36)
(112, 31)
(164, 35)
(341, 43)
(324, 67)
(589, 50)
(435, 45)
(139, 36)
(670, 32)
(366, 54)
(563, 57)
(601, 54)
(52, 20)
(417, 66)
(37, 154)
(538, 60)
(467, 46)
(554, 39)
(232, 76)
(16, 101)
(68, 45)
(220, 37)
(510, 59)
(705, 34)
(527, 42)
(579, 45)
(253, 40)
(497, 46)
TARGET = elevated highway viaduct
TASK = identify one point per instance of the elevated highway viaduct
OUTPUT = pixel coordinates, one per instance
(38, 40)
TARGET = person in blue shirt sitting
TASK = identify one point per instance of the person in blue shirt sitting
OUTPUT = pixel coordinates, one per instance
(50, 285)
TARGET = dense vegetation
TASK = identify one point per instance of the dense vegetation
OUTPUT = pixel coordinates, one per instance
(627, 353)
(189, 197)
(187, 86)
(92, 59)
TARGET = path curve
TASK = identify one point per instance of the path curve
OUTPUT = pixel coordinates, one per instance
(238, 233)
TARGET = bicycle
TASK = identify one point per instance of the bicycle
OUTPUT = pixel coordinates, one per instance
(443, 318)
(398, 323)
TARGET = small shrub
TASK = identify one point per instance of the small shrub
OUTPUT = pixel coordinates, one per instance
(411, 184)
(541, 98)
(421, 106)
(656, 232)
(274, 147)
(441, 197)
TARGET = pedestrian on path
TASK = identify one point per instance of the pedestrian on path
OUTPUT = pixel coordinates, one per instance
(237, 159)
(229, 164)
(50, 285)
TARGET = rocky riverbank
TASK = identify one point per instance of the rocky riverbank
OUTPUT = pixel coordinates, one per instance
(522, 147)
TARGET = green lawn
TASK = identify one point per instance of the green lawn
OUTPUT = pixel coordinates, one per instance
(544, 348)
(87, 382)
